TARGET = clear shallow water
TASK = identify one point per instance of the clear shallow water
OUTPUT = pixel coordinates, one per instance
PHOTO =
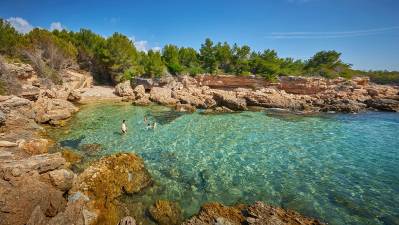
(342, 169)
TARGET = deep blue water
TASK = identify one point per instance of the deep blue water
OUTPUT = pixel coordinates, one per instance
(340, 168)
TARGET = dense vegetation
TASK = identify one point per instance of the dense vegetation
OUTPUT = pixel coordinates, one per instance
(115, 58)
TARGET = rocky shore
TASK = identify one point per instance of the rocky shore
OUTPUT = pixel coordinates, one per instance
(38, 186)
(296, 94)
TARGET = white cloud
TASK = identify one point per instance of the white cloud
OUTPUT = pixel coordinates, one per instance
(56, 26)
(141, 46)
(337, 34)
(157, 49)
(21, 25)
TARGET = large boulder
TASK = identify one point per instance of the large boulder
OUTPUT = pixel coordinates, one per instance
(53, 110)
(74, 96)
(108, 179)
(229, 100)
(19, 198)
(124, 89)
(271, 98)
(23, 188)
(162, 96)
(35, 146)
(62, 179)
(139, 91)
(40, 163)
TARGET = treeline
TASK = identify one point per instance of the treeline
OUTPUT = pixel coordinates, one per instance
(115, 58)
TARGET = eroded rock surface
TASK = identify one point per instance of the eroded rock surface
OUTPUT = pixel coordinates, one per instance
(256, 214)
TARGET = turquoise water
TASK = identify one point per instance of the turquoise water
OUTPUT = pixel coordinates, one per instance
(340, 168)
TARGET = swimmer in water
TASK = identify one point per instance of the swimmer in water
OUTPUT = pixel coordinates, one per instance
(145, 119)
(123, 127)
(154, 125)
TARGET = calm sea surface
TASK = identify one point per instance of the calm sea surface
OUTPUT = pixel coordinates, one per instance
(340, 168)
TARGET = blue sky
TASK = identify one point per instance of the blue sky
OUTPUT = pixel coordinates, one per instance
(365, 31)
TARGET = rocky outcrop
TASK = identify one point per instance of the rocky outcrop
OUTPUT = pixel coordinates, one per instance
(35, 146)
(383, 104)
(166, 213)
(26, 196)
(124, 89)
(107, 179)
(212, 213)
(256, 214)
(162, 96)
(53, 111)
(299, 94)
(262, 214)
(229, 100)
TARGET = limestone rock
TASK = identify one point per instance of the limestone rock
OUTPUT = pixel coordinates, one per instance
(211, 213)
(124, 89)
(74, 96)
(19, 200)
(40, 163)
(52, 110)
(302, 85)
(142, 101)
(8, 144)
(35, 146)
(262, 214)
(384, 104)
(162, 96)
(256, 214)
(229, 100)
(62, 179)
(166, 213)
(37, 217)
(139, 91)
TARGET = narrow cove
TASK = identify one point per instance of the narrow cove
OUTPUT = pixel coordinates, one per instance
(340, 168)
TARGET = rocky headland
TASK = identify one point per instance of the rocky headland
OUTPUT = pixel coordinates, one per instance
(38, 186)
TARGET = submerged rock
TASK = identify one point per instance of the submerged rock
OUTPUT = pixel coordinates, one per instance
(256, 214)
(210, 213)
(166, 213)
(262, 214)
(127, 221)
(185, 108)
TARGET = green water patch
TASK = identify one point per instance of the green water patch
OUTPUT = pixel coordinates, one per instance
(340, 168)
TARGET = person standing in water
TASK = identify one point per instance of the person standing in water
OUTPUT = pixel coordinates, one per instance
(123, 127)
